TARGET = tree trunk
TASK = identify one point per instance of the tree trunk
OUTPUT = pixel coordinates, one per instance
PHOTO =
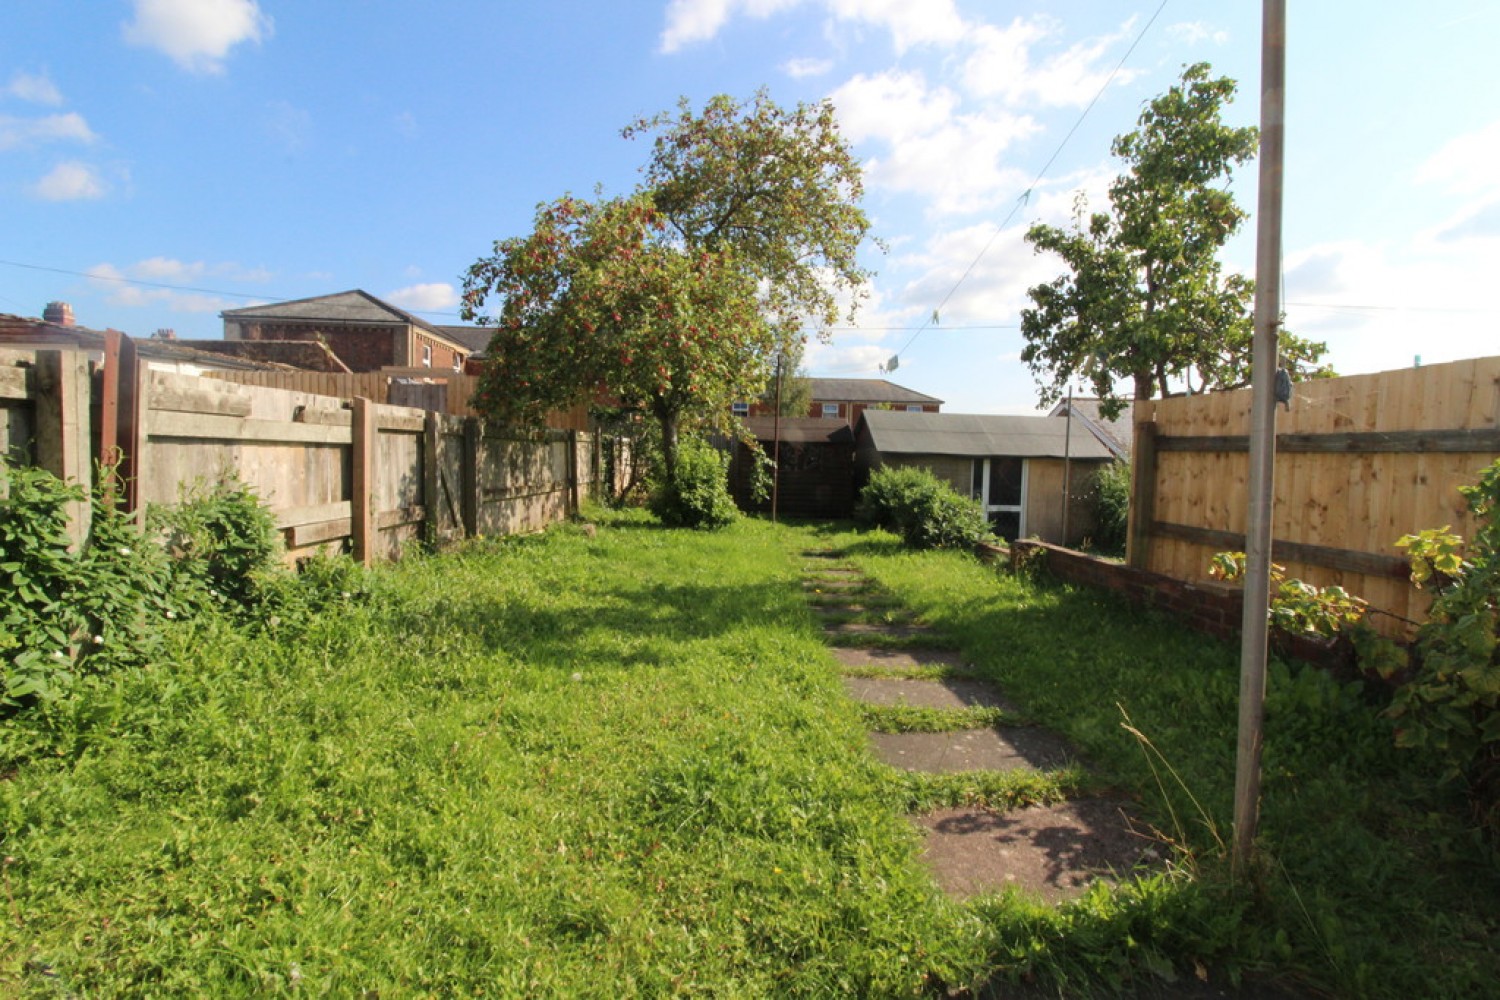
(1144, 385)
(668, 421)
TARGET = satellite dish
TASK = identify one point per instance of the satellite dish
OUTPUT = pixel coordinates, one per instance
(894, 363)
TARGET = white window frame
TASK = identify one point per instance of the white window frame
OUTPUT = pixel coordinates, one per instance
(836, 408)
(740, 409)
(1019, 509)
(914, 408)
(426, 355)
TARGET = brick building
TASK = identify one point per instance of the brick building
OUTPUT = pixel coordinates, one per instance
(363, 332)
(846, 398)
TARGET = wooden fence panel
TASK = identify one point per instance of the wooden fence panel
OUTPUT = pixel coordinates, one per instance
(17, 408)
(1360, 461)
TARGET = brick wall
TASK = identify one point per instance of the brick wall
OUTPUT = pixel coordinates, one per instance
(1211, 608)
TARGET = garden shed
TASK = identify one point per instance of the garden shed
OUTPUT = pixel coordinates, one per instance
(1017, 466)
(817, 466)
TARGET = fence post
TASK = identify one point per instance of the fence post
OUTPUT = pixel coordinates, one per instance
(573, 473)
(62, 427)
(473, 437)
(362, 509)
(1142, 495)
(432, 501)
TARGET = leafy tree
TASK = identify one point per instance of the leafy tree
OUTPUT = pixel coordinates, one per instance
(676, 299)
(1145, 298)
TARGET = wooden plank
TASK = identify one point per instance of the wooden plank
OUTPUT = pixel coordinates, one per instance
(402, 422)
(304, 414)
(13, 383)
(1478, 440)
(170, 424)
(292, 517)
(415, 514)
(472, 463)
(62, 385)
(316, 533)
(430, 473)
(1284, 550)
(183, 400)
(362, 513)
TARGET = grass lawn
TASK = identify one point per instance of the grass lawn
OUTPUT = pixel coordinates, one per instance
(624, 765)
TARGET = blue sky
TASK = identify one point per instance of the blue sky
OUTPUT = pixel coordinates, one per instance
(217, 153)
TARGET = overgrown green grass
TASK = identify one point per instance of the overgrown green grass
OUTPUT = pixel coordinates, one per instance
(624, 766)
(1371, 882)
(554, 766)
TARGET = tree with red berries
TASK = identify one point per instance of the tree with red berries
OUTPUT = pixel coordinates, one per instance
(677, 299)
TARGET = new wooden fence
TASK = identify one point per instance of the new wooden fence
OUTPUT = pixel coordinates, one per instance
(1360, 461)
(352, 473)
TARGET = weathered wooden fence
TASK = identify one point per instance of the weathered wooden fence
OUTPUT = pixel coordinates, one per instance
(352, 473)
(447, 392)
(1360, 461)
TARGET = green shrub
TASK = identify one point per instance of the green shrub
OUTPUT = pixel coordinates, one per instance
(1112, 508)
(1451, 706)
(892, 493)
(222, 540)
(924, 510)
(69, 610)
(698, 496)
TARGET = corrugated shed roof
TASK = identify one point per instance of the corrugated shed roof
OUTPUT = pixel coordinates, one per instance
(866, 390)
(976, 435)
(1120, 431)
(17, 330)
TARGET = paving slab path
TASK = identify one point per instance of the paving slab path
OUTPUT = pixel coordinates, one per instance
(891, 660)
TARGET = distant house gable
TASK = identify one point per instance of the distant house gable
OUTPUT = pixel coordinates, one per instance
(1116, 435)
(366, 333)
(846, 398)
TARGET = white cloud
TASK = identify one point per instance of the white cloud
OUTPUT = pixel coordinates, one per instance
(197, 34)
(118, 283)
(799, 68)
(1193, 32)
(1002, 64)
(909, 23)
(290, 126)
(955, 160)
(931, 22)
(70, 181)
(36, 89)
(428, 297)
(406, 124)
(1466, 163)
(690, 21)
(70, 127)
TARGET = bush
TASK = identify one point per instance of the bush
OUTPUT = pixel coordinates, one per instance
(222, 540)
(925, 511)
(1112, 508)
(698, 497)
(70, 610)
(1451, 706)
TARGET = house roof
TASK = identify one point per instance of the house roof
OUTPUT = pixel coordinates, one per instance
(866, 390)
(355, 307)
(1117, 435)
(475, 338)
(21, 330)
(975, 435)
(800, 430)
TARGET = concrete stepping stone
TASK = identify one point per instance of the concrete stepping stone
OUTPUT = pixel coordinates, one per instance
(876, 628)
(949, 692)
(1055, 851)
(993, 748)
(897, 659)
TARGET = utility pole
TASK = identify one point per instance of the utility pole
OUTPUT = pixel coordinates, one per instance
(1254, 625)
(1067, 464)
(776, 440)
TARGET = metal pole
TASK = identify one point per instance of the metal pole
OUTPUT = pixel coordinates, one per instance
(776, 442)
(1067, 464)
(1262, 435)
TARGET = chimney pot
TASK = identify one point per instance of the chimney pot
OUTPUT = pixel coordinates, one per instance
(58, 313)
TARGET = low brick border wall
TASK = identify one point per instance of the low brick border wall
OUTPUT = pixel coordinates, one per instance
(1214, 609)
